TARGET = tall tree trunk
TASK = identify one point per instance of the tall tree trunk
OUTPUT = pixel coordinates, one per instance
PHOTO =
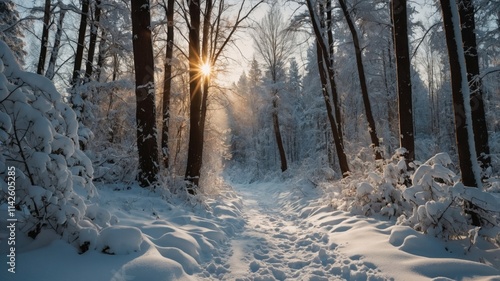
(461, 106)
(331, 71)
(468, 24)
(198, 84)
(362, 81)
(93, 39)
(277, 134)
(339, 144)
(45, 38)
(205, 60)
(80, 43)
(55, 49)
(403, 69)
(194, 160)
(145, 93)
(321, 50)
(102, 55)
(167, 83)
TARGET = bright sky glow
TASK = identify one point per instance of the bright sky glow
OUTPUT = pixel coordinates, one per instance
(205, 69)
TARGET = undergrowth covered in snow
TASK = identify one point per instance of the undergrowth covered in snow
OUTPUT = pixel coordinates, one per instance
(427, 196)
(38, 133)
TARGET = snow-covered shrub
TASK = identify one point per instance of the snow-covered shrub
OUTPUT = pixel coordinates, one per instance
(377, 192)
(38, 136)
(436, 202)
(112, 148)
(441, 204)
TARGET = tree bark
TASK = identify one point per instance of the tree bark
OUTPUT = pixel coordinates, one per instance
(102, 55)
(80, 43)
(55, 49)
(205, 59)
(45, 38)
(199, 85)
(461, 106)
(277, 134)
(362, 81)
(339, 144)
(323, 60)
(93, 39)
(194, 160)
(403, 72)
(145, 94)
(468, 25)
(331, 71)
(167, 83)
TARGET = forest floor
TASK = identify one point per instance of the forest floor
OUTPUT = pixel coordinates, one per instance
(291, 233)
(277, 243)
(276, 230)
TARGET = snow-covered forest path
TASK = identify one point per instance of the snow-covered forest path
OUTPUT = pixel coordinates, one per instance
(276, 244)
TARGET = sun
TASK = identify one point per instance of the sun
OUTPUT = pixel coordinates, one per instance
(205, 69)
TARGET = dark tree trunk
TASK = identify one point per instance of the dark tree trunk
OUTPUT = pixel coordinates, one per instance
(339, 145)
(321, 50)
(102, 55)
(468, 24)
(55, 49)
(195, 147)
(167, 83)
(460, 93)
(93, 39)
(45, 38)
(402, 54)
(80, 43)
(277, 134)
(205, 59)
(145, 93)
(362, 81)
(331, 71)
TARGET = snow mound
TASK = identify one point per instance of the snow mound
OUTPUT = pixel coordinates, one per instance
(155, 239)
(120, 240)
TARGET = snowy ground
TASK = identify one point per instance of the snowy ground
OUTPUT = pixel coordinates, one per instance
(260, 231)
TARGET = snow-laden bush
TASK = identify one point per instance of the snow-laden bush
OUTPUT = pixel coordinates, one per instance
(435, 202)
(108, 111)
(39, 137)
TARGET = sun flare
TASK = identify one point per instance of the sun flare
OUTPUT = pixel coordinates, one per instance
(205, 69)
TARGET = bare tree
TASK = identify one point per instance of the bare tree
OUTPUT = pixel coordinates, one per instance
(338, 141)
(362, 81)
(402, 54)
(145, 93)
(274, 42)
(331, 72)
(216, 35)
(325, 61)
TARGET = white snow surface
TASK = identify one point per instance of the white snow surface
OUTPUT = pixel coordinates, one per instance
(279, 230)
